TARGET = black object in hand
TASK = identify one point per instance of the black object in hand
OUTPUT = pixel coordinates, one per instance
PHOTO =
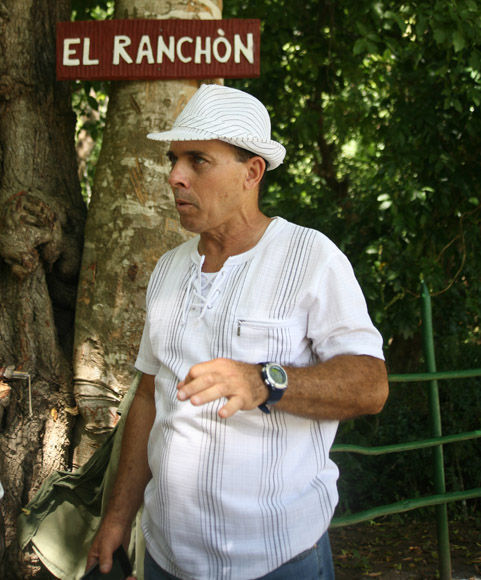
(121, 568)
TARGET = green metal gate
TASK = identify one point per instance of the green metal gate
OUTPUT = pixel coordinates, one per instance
(441, 497)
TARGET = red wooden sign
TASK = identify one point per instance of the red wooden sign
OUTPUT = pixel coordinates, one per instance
(158, 49)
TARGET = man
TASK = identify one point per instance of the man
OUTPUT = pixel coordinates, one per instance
(257, 341)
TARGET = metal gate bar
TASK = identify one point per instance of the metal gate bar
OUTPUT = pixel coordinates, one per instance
(436, 442)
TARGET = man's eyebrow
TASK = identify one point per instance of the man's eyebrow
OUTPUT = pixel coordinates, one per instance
(195, 153)
(190, 153)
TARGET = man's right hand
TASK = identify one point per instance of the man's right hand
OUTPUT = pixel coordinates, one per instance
(109, 537)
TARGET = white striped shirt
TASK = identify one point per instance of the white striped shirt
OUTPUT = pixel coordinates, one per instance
(236, 498)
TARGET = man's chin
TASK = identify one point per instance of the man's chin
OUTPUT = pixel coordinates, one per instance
(190, 225)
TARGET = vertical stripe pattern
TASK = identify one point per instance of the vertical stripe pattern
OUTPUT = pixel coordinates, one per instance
(233, 499)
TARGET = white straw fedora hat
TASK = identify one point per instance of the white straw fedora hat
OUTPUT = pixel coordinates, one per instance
(230, 115)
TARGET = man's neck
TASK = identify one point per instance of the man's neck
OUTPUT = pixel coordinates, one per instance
(217, 248)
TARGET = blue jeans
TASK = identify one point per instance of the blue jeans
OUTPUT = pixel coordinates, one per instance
(313, 564)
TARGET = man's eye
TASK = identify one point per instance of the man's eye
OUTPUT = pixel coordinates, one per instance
(198, 160)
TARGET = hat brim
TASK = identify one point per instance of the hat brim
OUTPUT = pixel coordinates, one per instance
(272, 151)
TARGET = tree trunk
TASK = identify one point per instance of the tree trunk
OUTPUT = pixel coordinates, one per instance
(41, 222)
(132, 221)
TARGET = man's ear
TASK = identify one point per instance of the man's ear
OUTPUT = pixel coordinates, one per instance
(256, 167)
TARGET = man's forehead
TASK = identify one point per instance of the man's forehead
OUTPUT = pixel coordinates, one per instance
(212, 146)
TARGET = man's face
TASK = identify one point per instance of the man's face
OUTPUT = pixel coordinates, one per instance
(208, 185)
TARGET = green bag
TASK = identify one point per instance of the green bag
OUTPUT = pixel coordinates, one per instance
(63, 517)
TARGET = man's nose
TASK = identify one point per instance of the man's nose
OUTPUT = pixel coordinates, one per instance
(178, 176)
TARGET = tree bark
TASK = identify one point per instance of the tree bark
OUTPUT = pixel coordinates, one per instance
(41, 222)
(132, 221)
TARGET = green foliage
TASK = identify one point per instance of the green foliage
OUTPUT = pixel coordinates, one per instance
(89, 101)
(92, 9)
(378, 106)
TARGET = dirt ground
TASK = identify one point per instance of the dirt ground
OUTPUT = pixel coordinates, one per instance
(396, 550)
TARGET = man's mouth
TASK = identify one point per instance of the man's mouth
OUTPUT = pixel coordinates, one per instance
(183, 202)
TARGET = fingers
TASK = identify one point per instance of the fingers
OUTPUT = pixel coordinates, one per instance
(234, 402)
(91, 561)
(204, 389)
(93, 554)
(101, 556)
(201, 378)
(206, 382)
(240, 383)
(233, 405)
(105, 561)
(104, 545)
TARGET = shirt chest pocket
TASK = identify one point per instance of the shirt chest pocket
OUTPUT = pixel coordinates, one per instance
(261, 339)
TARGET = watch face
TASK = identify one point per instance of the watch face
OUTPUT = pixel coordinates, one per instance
(275, 378)
(278, 376)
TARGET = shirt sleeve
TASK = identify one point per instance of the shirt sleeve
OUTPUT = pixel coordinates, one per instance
(339, 322)
(146, 361)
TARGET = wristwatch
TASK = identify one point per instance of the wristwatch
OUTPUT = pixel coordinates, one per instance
(275, 379)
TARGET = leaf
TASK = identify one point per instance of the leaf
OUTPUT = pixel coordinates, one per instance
(93, 103)
(458, 41)
(360, 46)
(439, 35)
